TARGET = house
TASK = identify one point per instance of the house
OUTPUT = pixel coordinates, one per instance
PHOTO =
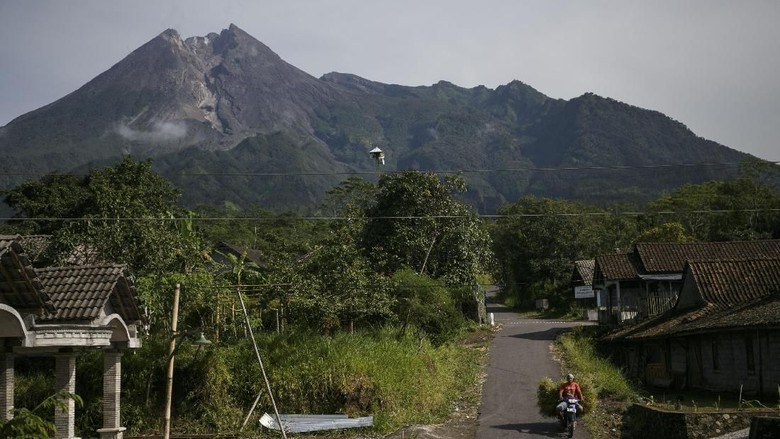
(60, 311)
(617, 283)
(582, 281)
(223, 251)
(723, 334)
(583, 273)
(646, 281)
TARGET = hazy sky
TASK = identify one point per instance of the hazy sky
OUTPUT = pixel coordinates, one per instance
(713, 65)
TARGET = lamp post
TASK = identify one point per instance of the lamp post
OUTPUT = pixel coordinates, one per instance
(202, 341)
(378, 156)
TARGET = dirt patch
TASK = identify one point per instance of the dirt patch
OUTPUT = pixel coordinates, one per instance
(459, 427)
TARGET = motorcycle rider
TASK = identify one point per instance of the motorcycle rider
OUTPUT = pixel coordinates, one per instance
(570, 387)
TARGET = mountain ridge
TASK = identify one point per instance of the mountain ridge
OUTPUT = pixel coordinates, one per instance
(218, 96)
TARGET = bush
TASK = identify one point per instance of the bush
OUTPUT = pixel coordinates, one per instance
(598, 374)
(428, 305)
(27, 423)
(547, 397)
(597, 377)
(398, 381)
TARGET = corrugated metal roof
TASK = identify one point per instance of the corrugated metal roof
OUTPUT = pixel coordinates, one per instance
(671, 257)
(300, 423)
(252, 255)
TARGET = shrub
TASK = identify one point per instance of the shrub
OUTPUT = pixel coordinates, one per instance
(398, 381)
(26, 423)
(597, 374)
(547, 397)
(427, 304)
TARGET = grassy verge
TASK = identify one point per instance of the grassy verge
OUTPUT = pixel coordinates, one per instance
(607, 392)
(398, 379)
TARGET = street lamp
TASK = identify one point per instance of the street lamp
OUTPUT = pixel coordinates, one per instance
(201, 341)
(378, 156)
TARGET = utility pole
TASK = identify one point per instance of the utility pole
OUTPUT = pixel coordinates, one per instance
(169, 377)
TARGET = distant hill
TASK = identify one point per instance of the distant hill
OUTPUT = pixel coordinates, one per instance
(229, 122)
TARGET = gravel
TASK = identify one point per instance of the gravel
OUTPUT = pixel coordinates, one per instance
(739, 434)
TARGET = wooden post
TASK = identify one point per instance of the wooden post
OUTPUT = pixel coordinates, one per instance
(169, 378)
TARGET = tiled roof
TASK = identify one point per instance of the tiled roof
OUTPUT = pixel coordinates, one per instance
(585, 269)
(738, 294)
(80, 293)
(762, 312)
(728, 283)
(649, 328)
(619, 266)
(671, 257)
(35, 246)
(20, 286)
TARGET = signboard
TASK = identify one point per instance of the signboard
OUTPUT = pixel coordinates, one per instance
(583, 292)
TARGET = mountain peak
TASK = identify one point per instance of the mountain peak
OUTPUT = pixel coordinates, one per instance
(170, 34)
(179, 101)
(237, 30)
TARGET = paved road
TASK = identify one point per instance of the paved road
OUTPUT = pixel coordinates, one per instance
(519, 358)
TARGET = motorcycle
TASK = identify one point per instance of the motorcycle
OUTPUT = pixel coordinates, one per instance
(569, 415)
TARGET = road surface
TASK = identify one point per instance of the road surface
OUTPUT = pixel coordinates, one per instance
(519, 358)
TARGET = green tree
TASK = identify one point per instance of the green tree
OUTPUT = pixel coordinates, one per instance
(536, 241)
(43, 206)
(426, 304)
(121, 214)
(739, 209)
(416, 222)
(666, 232)
(344, 289)
(351, 197)
(258, 229)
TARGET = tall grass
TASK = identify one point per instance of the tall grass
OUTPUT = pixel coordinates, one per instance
(597, 377)
(601, 376)
(398, 379)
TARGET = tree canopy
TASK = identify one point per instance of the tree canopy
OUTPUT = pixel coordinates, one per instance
(120, 214)
(536, 240)
(417, 222)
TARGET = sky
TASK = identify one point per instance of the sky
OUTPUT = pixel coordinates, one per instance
(713, 65)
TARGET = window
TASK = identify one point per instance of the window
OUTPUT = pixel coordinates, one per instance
(750, 359)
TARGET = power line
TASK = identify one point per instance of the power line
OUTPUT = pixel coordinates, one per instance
(405, 217)
(464, 171)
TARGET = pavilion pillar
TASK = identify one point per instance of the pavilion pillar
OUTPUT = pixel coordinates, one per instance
(112, 387)
(7, 386)
(65, 420)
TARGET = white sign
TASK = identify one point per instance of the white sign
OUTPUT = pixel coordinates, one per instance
(583, 292)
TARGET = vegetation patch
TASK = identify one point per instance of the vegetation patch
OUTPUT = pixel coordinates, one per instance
(607, 393)
(359, 311)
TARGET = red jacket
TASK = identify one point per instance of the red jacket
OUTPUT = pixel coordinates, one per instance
(572, 385)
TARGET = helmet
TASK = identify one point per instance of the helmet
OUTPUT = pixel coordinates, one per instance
(569, 376)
